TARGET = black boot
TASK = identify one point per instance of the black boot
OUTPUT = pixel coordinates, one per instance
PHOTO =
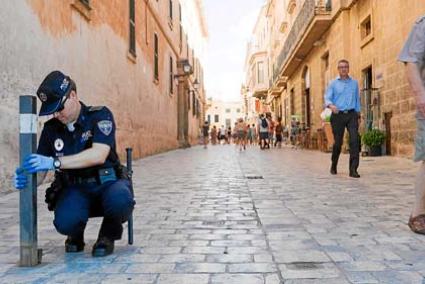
(74, 244)
(103, 247)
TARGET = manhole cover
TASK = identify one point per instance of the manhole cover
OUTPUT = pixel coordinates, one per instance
(254, 177)
(214, 223)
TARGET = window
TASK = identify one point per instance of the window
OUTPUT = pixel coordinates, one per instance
(366, 27)
(260, 72)
(227, 110)
(187, 47)
(132, 25)
(86, 2)
(216, 118)
(238, 110)
(170, 13)
(209, 118)
(181, 27)
(292, 102)
(156, 71)
(193, 58)
(171, 76)
(83, 7)
(193, 103)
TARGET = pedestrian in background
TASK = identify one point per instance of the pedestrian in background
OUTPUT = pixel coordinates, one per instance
(241, 131)
(343, 98)
(263, 130)
(222, 135)
(294, 132)
(271, 129)
(254, 134)
(214, 135)
(249, 134)
(205, 133)
(229, 135)
(413, 55)
(278, 132)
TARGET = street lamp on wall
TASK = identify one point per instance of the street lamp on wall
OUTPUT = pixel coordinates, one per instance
(196, 84)
(186, 68)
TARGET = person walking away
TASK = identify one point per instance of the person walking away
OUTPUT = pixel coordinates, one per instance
(214, 135)
(271, 130)
(263, 130)
(249, 134)
(413, 55)
(241, 134)
(254, 134)
(279, 132)
(343, 98)
(205, 133)
(222, 134)
(294, 133)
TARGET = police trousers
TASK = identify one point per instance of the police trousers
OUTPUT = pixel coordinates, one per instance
(112, 200)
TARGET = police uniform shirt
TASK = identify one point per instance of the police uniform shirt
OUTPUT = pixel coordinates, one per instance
(94, 125)
(414, 48)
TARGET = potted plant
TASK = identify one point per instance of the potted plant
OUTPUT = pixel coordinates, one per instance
(374, 139)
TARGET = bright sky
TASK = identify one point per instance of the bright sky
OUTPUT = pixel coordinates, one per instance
(230, 25)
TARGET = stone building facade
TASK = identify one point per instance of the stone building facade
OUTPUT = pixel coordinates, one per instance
(123, 54)
(315, 34)
(255, 88)
(221, 113)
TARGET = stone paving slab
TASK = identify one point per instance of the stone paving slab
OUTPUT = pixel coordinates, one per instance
(200, 219)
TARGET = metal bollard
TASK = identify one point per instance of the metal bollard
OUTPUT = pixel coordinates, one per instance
(30, 255)
(130, 174)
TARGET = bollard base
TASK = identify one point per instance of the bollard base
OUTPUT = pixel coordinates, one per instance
(30, 257)
(40, 255)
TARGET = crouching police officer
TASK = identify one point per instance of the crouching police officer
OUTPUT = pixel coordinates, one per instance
(79, 144)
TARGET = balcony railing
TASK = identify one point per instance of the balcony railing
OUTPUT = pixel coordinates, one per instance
(306, 15)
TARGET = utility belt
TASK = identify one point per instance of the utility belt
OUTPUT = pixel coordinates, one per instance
(99, 176)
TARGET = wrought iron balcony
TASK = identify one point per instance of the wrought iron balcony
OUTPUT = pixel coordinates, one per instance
(310, 24)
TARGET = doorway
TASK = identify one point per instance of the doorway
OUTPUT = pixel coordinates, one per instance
(306, 97)
(387, 120)
(366, 98)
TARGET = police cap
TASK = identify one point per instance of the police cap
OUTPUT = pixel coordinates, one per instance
(53, 91)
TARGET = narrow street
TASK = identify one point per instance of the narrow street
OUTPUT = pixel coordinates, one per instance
(223, 216)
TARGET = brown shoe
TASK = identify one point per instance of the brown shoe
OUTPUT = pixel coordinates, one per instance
(417, 224)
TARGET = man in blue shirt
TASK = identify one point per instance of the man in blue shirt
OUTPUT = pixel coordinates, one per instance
(79, 144)
(342, 97)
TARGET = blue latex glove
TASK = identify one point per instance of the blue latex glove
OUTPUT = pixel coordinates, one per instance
(20, 178)
(38, 163)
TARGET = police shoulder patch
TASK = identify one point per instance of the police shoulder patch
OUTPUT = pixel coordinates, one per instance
(105, 126)
(96, 108)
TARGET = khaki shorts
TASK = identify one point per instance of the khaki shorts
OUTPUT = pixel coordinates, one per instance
(420, 140)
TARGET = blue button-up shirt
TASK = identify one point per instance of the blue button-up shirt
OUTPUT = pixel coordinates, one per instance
(344, 94)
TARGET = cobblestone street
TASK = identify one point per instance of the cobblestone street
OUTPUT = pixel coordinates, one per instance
(224, 216)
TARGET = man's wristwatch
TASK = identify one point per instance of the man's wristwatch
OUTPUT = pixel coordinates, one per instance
(57, 163)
